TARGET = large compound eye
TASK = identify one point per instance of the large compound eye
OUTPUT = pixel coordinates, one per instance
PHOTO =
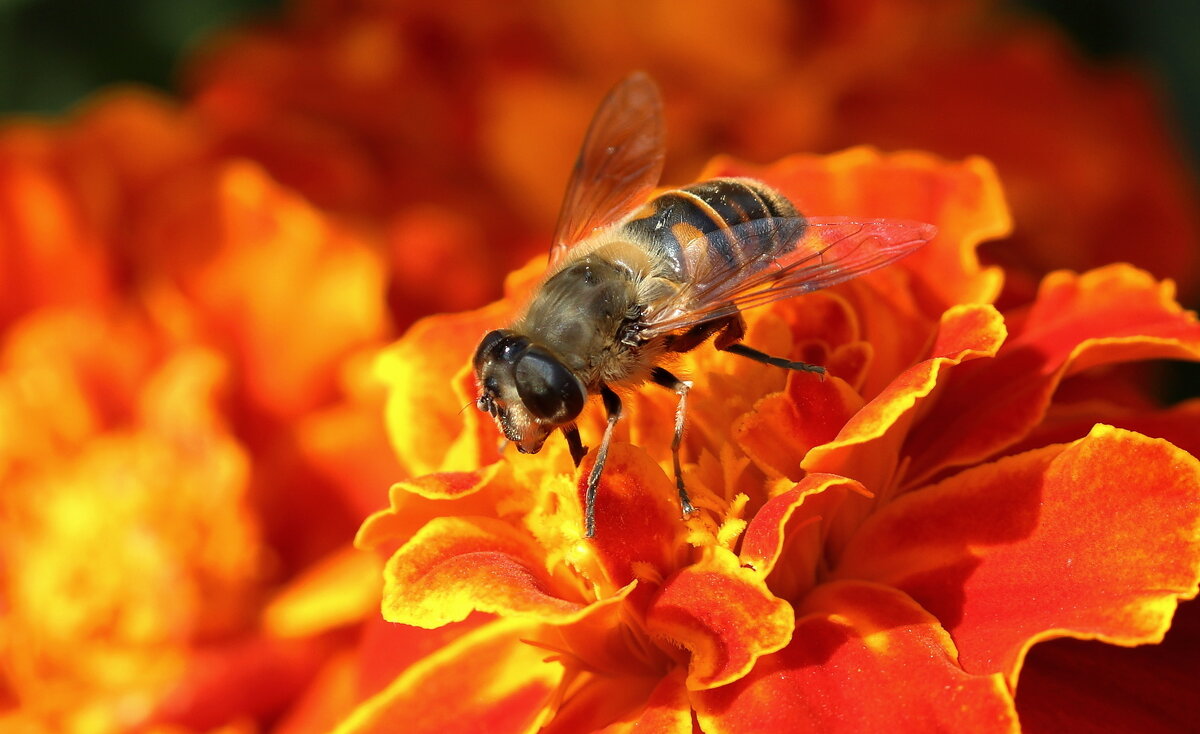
(547, 388)
(486, 346)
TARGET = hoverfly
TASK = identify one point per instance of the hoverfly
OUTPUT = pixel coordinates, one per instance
(633, 279)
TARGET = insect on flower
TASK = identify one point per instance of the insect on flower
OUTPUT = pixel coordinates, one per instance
(632, 280)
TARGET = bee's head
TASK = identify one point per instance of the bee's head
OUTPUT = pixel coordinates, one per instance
(525, 388)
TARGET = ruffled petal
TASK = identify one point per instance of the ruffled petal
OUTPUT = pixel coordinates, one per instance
(1113, 314)
(723, 614)
(254, 226)
(1095, 539)
(782, 427)
(596, 701)
(966, 333)
(456, 565)
(488, 680)
(792, 520)
(415, 502)
(868, 446)
(863, 658)
(340, 590)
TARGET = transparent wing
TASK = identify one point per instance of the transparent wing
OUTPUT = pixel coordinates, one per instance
(620, 163)
(827, 251)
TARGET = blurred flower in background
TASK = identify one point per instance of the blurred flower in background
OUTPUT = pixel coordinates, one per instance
(202, 394)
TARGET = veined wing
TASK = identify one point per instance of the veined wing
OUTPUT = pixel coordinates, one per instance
(827, 251)
(618, 166)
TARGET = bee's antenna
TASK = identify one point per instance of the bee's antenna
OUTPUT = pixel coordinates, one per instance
(461, 410)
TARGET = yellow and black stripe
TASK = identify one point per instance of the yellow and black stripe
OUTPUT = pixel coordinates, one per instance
(708, 209)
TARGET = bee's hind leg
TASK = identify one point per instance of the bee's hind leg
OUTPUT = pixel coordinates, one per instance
(661, 377)
(612, 406)
(729, 340)
(765, 358)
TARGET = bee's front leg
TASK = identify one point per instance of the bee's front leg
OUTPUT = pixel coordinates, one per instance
(574, 443)
(661, 377)
(612, 406)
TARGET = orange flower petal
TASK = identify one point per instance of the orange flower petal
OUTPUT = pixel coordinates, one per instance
(246, 677)
(243, 225)
(598, 700)
(339, 590)
(1113, 314)
(456, 565)
(863, 658)
(414, 502)
(1179, 424)
(966, 333)
(794, 517)
(1094, 539)
(724, 614)
(385, 650)
(1089, 166)
(51, 253)
(429, 427)
(782, 427)
(490, 679)
(868, 447)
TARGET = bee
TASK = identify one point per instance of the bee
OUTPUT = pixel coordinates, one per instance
(633, 279)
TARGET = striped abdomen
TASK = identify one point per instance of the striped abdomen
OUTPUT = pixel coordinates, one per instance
(692, 226)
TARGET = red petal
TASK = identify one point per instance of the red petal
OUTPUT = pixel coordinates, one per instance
(256, 676)
(487, 681)
(1098, 538)
(638, 517)
(724, 614)
(455, 565)
(598, 700)
(1179, 424)
(625, 704)
(668, 711)
(966, 332)
(863, 658)
(1067, 685)
(1109, 315)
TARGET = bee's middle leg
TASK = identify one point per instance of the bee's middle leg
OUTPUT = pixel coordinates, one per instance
(729, 340)
(612, 406)
(661, 377)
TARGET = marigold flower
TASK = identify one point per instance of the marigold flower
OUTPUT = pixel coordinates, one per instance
(154, 388)
(872, 551)
(126, 529)
(194, 293)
